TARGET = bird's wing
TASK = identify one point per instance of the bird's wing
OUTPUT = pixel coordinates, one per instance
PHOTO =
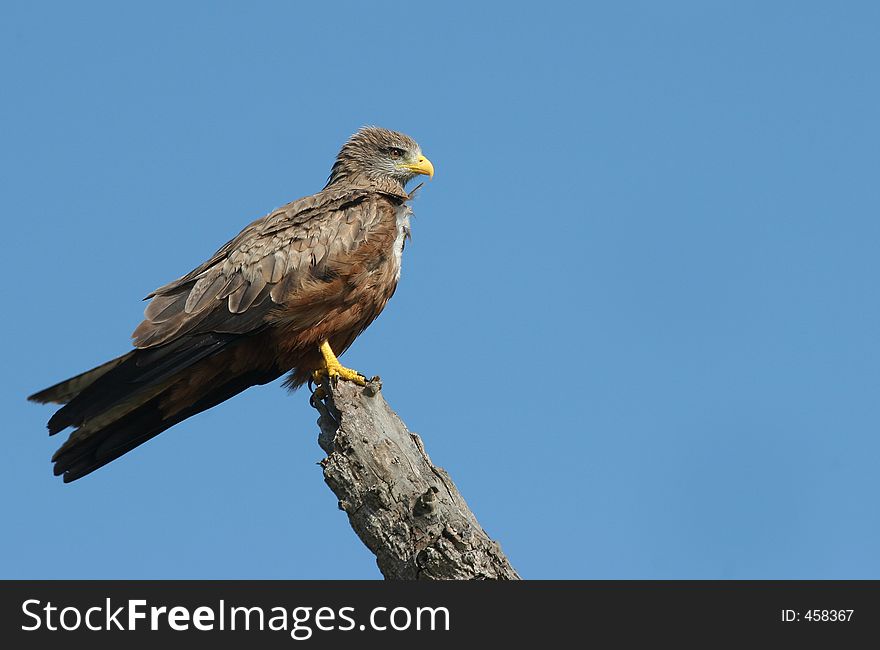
(236, 290)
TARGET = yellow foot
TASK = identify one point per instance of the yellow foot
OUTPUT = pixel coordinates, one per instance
(334, 371)
(337, 372)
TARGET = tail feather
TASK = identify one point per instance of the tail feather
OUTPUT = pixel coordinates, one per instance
(131, 399)
(137, 427)
(139, 372)
(63, 392)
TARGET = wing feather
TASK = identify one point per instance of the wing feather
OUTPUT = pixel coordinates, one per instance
(236, 290)
(246, 295)
(231, 286)
(204, 291)
(164, 307)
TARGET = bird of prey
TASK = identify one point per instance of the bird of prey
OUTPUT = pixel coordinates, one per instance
(288, 294)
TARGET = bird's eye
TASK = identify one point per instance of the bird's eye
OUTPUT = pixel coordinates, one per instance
(394, 152)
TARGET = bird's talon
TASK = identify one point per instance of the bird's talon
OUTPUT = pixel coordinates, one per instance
(317, 395)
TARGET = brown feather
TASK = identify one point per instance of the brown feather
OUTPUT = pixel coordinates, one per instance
(232, 285)
(204, 292)
(164, 307)
(245, 296)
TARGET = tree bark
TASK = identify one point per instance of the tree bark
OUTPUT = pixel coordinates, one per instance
(407, 511)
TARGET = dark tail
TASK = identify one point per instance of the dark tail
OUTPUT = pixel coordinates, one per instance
(63, 392)
(125, 402)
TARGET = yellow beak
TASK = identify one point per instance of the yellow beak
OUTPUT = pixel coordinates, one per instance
(421, 166)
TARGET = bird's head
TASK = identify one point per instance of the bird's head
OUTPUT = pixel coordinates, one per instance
(376, 154)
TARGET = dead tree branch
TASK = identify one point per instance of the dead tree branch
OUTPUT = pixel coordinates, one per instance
(407, 511)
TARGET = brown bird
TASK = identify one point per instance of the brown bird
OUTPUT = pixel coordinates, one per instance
(291, 292)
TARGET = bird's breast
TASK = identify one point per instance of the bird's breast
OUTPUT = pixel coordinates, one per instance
(402, 214)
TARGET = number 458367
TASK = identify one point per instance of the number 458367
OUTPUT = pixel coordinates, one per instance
(828, 615)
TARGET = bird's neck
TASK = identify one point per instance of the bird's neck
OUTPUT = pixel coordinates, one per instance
(343, 178)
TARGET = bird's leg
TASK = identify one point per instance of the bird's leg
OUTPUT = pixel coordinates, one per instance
(334, 370)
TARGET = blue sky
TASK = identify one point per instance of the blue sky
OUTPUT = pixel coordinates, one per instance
(637, 323)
